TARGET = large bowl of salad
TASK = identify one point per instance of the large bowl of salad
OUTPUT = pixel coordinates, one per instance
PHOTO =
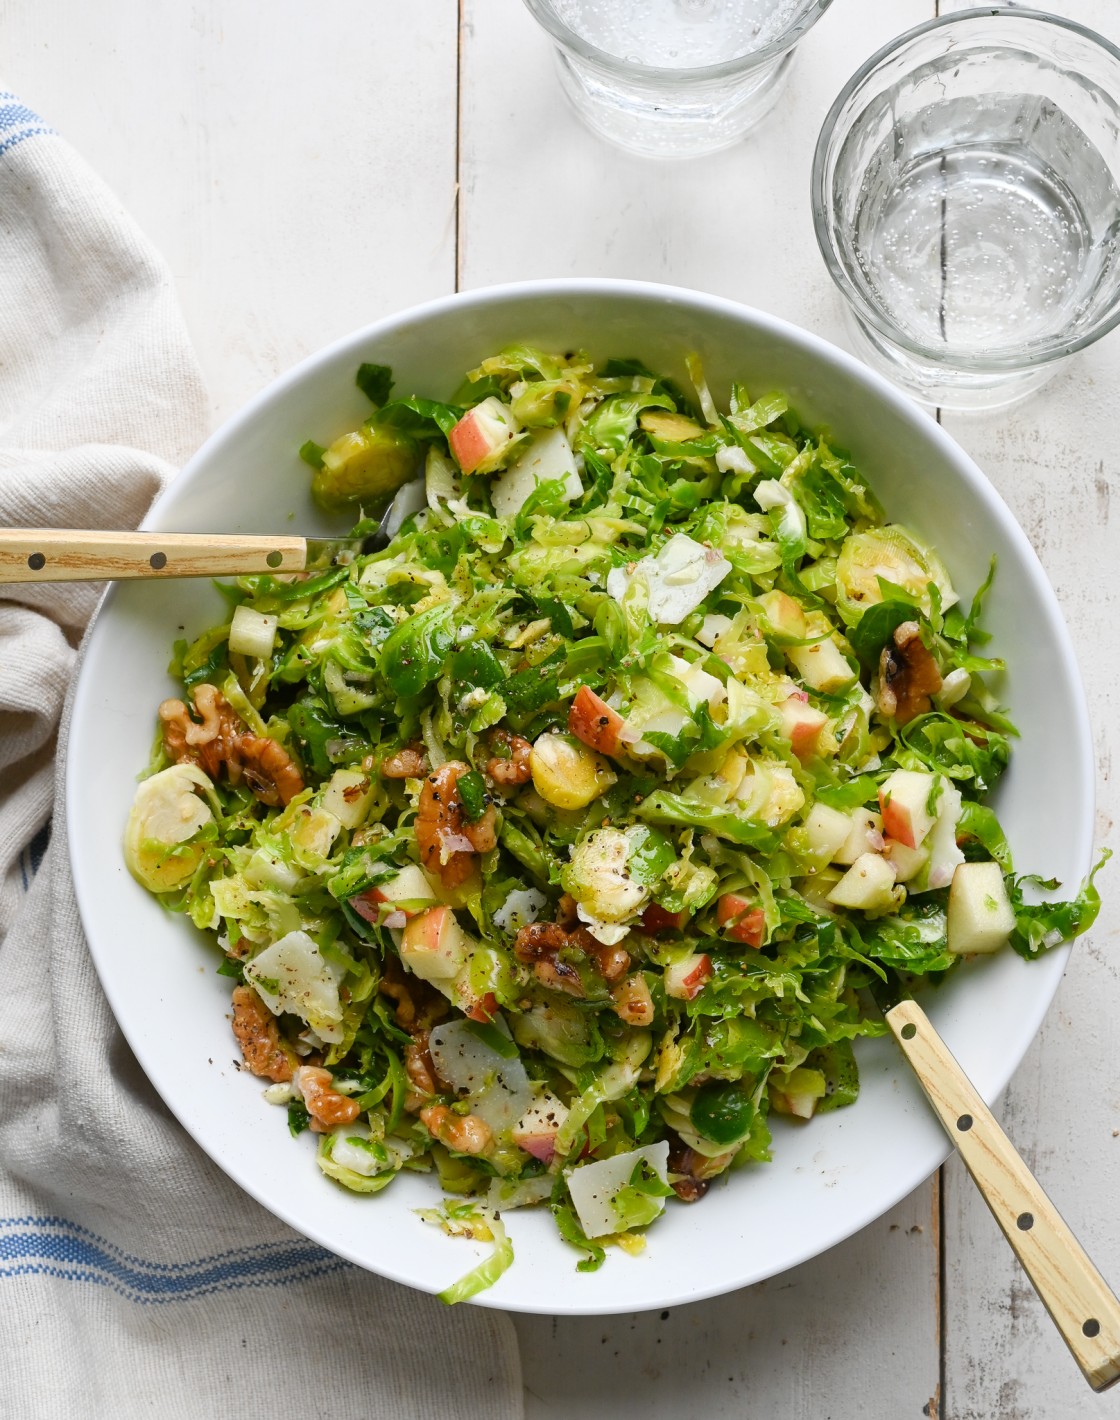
(510, 902)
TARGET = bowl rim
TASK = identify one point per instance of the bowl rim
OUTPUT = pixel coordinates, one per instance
(1049, 969)
(822, 206)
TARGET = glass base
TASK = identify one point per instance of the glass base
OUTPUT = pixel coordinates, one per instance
(676, 123)
(938, 386)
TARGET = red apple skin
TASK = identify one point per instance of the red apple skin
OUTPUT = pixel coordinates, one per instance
(656, 919)
(593, 721)
(741, 921)
(483, 1010)
(802, 724)
(366, 905)
(688, 986)
(897, 823)
(541, 1146)
(468, 442)
(423, 931)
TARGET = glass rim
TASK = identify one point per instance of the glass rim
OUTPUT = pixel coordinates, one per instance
(810, 13)
(1052, 348)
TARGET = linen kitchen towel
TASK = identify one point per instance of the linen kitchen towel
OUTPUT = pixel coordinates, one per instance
(135, 1278)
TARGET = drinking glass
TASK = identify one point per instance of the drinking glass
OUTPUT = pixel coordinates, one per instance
(674, 78)
(966, 197)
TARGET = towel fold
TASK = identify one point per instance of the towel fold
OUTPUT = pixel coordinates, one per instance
(135, 1278)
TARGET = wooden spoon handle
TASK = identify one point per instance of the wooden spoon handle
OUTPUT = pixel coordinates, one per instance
(1082, 1305)
(66, 555)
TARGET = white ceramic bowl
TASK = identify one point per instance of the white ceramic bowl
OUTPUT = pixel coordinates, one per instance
(829, 1177)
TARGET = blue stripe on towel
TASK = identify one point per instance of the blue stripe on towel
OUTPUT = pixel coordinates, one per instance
(56, 1247)
(18, 122)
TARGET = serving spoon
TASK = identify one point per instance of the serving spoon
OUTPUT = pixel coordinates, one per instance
(1081, 1304)
(71, 555)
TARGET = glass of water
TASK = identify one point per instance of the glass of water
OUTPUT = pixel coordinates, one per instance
(674, 78)
(966, 195)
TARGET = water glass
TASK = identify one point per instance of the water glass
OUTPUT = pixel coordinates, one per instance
(966, 196)
(674, 78)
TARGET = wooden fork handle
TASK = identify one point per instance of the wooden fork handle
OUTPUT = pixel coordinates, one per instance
(1083, 1307)
(65, 555)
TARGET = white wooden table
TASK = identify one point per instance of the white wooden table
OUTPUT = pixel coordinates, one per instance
(309, 167)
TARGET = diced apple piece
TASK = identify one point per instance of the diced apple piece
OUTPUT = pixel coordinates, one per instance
(482, 1009)
(715, 624)
(701, 685)
(944, 855)
(904, 801)
(822, 665)
(657, 919)
(348, 796)
(685, 979)
(906, 862)
(803, 1091)
(546, 457)
(593, 721)
(865, 836)
(594, 1186)
(536, 1130)
(462, 993)
(802, 725)
(482, 433)
(783, 614)
(816, 887)
(741, 919)
(252, 633)
(434, 946)
(869, 884)
(410, 886)
(980, 917)
(825, 832)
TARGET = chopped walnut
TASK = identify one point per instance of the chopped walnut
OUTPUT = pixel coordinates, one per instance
(411, 762)
(326, 1106)
(465, 1133)
(258, 1034)
(908, 675)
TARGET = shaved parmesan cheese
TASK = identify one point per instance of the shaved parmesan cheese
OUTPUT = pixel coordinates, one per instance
(523, 905)
(547, 456)
(676, 580)
(594, 1186)
(498, 1088)
(293, 975)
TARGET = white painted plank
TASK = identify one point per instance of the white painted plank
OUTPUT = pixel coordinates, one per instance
(1055, 462)
(849, 1335)
(295, 163)
(543, 197)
